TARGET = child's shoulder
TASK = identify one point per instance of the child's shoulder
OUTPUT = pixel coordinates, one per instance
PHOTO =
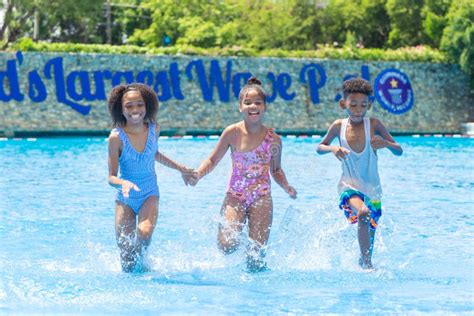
(334, 130)
(336, 125)
(114, 134)
(230, 133)
(375, 122)
(114, 138)
(230, 130)
(273, 134)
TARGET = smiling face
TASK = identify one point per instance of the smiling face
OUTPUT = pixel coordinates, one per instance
(252, 106)
(133, 107)
(356, 105)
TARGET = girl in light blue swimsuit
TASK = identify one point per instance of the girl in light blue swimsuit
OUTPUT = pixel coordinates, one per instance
(133, 149)
(138, 168)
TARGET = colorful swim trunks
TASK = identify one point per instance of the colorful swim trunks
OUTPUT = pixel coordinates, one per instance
(375, 207)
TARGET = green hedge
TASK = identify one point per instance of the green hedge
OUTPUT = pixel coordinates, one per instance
(409, 54)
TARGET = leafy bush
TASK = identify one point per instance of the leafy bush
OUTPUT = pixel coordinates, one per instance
(408, 54)
(458, 36)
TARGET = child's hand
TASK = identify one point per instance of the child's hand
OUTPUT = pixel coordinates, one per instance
(378, 142)
(340, 152)
(127, 186)
(187, 174)
(291, 192)
(194, 179)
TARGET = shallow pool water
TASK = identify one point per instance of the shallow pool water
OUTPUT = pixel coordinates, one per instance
(58, 251)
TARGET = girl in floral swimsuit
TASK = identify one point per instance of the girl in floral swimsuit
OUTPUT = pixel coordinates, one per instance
(256, 152)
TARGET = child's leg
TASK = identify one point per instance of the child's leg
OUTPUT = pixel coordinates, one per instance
(146, 223)
(365, 235)
(260, 222)
(260, 219)
(372, 237)
(125, 224)
(233, 219)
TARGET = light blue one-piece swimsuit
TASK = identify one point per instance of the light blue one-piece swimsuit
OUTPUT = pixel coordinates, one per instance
(139, 168)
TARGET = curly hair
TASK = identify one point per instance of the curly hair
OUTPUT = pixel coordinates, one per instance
(115, 102)
(356, 85)
(253, 84)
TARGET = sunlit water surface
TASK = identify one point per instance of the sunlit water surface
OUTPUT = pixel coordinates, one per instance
(58, 251)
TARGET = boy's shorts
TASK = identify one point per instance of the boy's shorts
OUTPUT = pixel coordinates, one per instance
(375, 207)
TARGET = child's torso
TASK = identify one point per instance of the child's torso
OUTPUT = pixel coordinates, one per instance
(355, 136)
(137, 158)
(250, 168)
(138, 141)
(244, 141)
(359, 169)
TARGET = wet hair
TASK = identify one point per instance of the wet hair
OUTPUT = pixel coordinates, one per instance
(253, 84)
(116, 97)
(356, 85)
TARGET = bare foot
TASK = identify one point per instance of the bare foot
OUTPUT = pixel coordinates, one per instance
(366, 265)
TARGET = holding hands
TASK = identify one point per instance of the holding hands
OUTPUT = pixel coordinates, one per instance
(189, 176)
(194, 179)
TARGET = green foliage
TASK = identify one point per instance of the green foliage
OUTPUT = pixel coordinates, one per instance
(197, 32)
(192, 22)
(434, 20)
(272, 24)
(410, 54)
(66, 20)
(458, 36)
(366, 20)
(405, 23)
(253, 24)
(342, 21)
(374, 28)
(351, 40)
(126, 16)
(304, 31)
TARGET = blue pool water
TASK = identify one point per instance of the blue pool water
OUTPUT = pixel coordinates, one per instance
(58, 251)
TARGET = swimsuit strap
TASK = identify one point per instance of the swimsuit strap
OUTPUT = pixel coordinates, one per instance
(367, 130)
(269, 139)
(126, 148)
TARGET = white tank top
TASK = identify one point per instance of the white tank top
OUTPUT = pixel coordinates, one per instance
(359, 170)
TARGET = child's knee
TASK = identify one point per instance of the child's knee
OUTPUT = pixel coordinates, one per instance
(363, 214)
(228, 243)
(145, 230)
(228, 246)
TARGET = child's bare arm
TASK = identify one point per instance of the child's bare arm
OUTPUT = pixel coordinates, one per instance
(217, 153)
(383, 139)
(165, 161)
(114, 152)
(324, 146)
(277, 172)
(186, 173)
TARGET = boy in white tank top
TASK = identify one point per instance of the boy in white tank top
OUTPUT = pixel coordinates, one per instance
(359, 139)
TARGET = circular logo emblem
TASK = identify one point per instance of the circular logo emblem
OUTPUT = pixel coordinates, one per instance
(393, 91)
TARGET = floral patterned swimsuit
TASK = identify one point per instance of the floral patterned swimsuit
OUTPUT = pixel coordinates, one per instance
(250, 178)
